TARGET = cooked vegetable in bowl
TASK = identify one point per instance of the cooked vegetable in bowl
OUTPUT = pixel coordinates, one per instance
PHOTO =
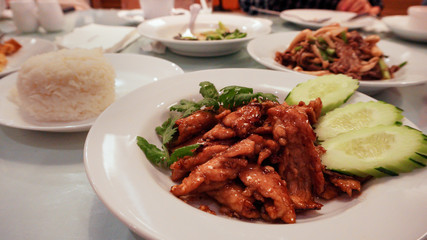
(221, 33)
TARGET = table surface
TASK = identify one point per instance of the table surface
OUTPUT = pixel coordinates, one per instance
(44, 191)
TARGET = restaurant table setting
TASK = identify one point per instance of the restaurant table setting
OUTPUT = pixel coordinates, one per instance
(89, 180)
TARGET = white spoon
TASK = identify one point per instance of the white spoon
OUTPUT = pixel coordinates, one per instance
(194, 12)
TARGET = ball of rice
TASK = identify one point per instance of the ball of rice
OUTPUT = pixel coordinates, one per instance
(66, 85)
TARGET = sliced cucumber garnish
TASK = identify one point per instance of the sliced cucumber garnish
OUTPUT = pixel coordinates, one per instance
(356, 116)
(376, 151)
(334, 90)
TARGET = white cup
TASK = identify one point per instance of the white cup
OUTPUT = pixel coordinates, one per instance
(2, 6)
(418, 18)
(24, 15)
(156, 8)
(206, 6)
(50, 15)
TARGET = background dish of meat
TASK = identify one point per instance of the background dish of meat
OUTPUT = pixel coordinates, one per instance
(138, 192)
(264, 48)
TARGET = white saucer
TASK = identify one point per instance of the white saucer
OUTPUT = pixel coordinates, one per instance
(399, 26)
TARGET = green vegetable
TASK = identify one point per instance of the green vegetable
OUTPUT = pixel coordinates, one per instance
(333, 90)
(356, 116)
(320, 39)
(162, 158)
(343, 35)
(403, 64)
(297, 48)
(167, 130)
(230, 97)
(324, 55)
(182, 152)
(384, 69)
(222, 32)
(330, 51)
(376, 151)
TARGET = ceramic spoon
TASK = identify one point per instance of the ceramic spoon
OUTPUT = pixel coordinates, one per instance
(194, 11)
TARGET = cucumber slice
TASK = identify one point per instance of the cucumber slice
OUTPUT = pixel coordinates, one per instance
(376, 151)
(356, 116)
(334, 90)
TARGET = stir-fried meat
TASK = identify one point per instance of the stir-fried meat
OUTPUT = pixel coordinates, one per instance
(246, 147)
(206, 208)
(348, 61)
(313, 110)
(231, 196)
(267, 182)
(258, 162)
(300, 164)
(264, 147)
(194, 124)
(217, 169)
(345, 183)
(219, 132)
(244, 119)
(183, 166)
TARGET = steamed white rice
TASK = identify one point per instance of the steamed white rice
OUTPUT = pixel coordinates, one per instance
(66, 85)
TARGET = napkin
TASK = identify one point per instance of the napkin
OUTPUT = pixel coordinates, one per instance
(110, 38)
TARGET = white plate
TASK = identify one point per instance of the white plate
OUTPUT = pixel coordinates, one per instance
(30, 47)
(263, 50)
(132, 71)
(138, 193)
(316, 14)
(164, 29)
(399, 26)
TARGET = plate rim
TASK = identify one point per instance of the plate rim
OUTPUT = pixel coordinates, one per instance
(27, 38)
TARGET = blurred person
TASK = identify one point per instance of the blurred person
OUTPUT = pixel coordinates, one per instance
(372, 7)
(76, 4)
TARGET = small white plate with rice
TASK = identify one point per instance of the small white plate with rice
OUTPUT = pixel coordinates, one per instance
(131, 72)
(30, 47)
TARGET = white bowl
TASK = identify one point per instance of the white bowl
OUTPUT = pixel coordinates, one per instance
(164, 29)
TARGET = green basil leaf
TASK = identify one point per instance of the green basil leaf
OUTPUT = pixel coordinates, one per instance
(153, 154)
(208, 90)
(182, 152)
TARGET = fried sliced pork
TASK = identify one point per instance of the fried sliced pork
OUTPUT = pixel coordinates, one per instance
(194, 124)
(183, 166)
(217, 169)
(232, 197)
(299, 163)
(244, 119)
(268, 183)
